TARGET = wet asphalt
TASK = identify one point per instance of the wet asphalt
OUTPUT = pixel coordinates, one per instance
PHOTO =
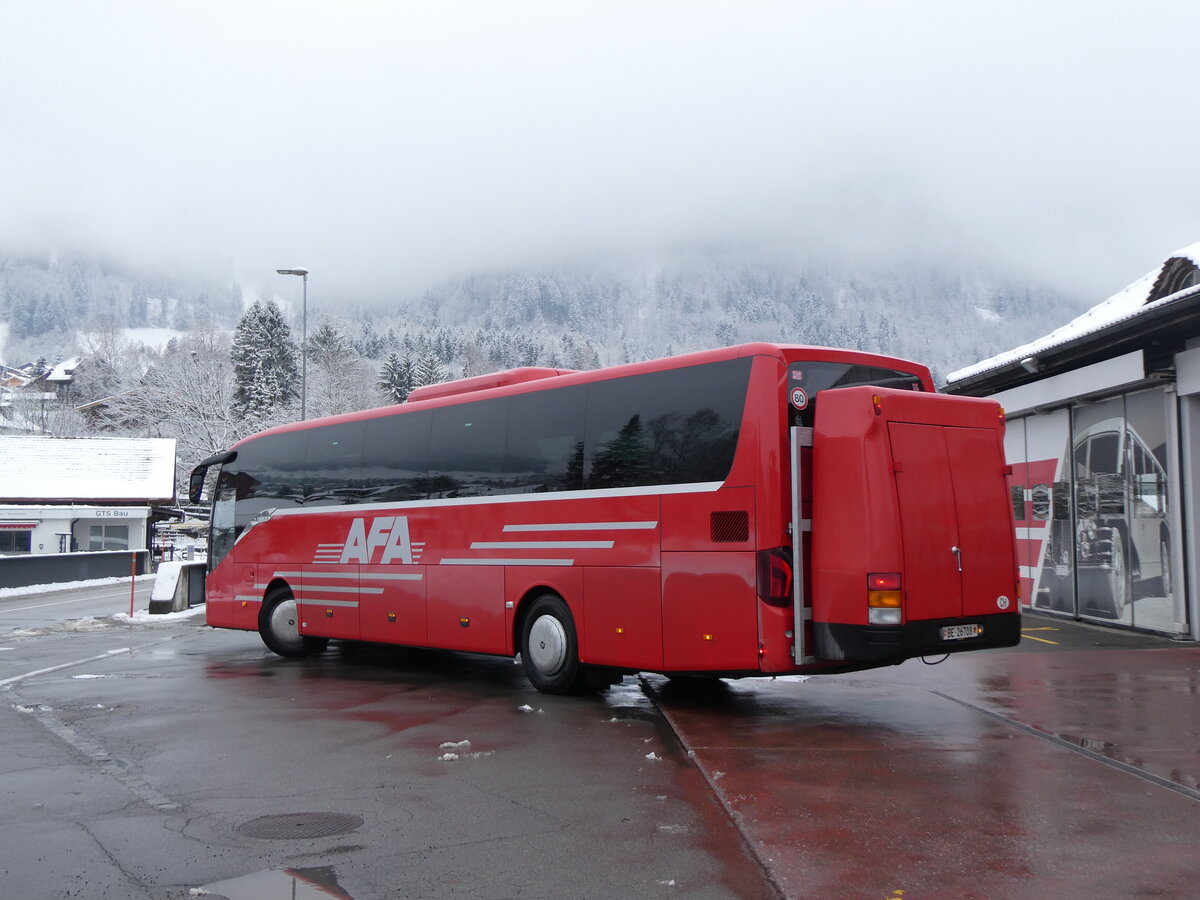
(158, 760)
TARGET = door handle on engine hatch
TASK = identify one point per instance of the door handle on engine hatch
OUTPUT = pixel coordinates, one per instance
(957, 551)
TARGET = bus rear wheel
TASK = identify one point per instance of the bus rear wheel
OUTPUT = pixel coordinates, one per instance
(550, 648)
(279, 626)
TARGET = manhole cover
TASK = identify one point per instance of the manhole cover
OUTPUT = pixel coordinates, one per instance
(300, 825)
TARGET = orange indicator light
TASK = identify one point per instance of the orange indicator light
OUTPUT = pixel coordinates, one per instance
(884, 591)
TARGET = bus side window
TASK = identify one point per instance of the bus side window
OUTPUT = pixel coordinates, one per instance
(671, 427)
(395, 459)
(271, 473)
(544, 447)
(466, 449)
(333, 464)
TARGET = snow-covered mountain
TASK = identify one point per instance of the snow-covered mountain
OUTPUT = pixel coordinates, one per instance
(607, 312)
(620, 311)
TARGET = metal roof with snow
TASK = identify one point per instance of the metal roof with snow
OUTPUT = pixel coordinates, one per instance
(86, 470)
(1162, 300)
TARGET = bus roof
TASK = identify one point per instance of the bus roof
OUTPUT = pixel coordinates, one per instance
(510, 381)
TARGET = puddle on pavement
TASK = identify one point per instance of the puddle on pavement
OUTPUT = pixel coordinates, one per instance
(318, 883)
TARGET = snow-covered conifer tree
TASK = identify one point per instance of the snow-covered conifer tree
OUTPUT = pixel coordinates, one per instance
(396, 378)
(429, 370)
(265, 369)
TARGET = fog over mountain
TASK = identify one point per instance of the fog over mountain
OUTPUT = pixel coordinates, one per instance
(392, 148)
(617, 309)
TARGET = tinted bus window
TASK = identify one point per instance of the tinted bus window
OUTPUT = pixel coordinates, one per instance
(333, 466)
(544, 449)
(813, 377)
(670, 427)
(395, 458)
(223, 526)
(466, 450)
(271, 472)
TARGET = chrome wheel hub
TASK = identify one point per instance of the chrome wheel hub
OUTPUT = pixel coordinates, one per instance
(547, 645)
(285, 624)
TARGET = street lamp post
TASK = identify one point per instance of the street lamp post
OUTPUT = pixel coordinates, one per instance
(303, 273)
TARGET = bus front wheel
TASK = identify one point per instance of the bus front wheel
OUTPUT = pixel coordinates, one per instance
(279, 626)
(549, 647)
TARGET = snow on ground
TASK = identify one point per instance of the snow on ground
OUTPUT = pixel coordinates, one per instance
(87, 624)
(143, 616)
(66, 586)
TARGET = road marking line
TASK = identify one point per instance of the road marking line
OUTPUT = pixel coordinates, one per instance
(1030, 637)
(1041, 628)
(97, 597)
(79, 662)
(55, 603)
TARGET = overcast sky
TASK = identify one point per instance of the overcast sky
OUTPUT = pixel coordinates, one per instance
(388, 145)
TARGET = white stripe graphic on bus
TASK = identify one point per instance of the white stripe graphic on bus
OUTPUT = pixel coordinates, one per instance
(585, 526)
(542, 545)
(374, 576)
(334, 589)
(478, 561)
(310, 601)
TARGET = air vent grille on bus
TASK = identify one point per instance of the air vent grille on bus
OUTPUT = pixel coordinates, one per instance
(729, 527)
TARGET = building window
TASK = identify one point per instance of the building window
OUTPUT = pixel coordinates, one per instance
(108, 537)
(15, 541)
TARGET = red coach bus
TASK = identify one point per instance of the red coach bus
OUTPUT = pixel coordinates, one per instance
(754, 510)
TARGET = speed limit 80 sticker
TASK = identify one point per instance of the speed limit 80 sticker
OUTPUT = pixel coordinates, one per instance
(799, 398)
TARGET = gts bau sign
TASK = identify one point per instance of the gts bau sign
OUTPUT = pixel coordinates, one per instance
(386, 533)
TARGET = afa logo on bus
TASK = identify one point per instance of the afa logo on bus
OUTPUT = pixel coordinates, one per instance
(388, 534)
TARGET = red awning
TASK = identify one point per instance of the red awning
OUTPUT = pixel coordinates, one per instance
(17, 526)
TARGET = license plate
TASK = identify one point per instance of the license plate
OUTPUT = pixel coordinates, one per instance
(960, 632)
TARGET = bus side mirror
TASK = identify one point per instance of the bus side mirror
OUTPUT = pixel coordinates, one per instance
(196, 483)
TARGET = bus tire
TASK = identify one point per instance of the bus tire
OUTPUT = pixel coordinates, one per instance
(279, 626)
(550, 648)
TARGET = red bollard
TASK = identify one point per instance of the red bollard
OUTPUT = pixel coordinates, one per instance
(132, 580)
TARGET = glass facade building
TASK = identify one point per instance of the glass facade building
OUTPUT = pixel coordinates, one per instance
(1096, 493)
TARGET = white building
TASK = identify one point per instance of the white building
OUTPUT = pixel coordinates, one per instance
(61, 495)
(1104, 438)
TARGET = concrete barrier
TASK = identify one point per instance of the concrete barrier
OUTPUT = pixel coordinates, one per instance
(177, 586)
(59, 568)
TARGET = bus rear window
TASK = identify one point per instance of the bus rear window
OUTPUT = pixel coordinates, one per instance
(807, 379)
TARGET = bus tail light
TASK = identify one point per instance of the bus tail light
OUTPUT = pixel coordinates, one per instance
(884, 598)
(775, 577)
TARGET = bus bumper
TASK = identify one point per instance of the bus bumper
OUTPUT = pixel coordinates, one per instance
(894, 643)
